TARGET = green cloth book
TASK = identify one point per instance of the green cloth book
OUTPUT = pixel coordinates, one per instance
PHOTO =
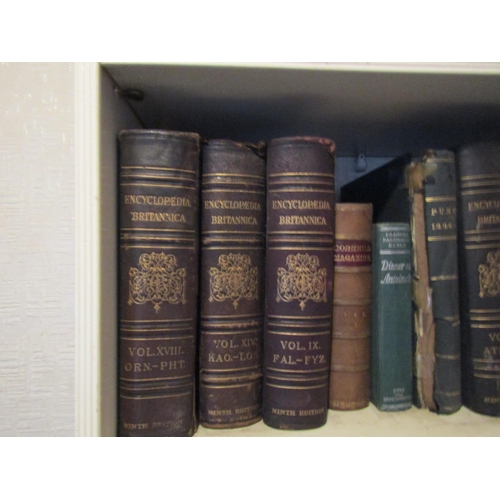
(391, 353)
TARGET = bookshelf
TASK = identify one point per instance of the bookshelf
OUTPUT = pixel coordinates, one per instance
(374, 112)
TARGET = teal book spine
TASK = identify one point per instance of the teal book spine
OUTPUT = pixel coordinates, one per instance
(391, 353)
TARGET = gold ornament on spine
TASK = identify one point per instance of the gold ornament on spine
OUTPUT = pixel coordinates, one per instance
(158, 280)
(303, 280)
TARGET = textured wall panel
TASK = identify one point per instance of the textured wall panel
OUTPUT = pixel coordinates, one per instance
(37, 263)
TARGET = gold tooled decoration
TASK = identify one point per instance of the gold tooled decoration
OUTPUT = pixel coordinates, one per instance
(489, 275)
(158, 280)
(304, 280)
(235, 279)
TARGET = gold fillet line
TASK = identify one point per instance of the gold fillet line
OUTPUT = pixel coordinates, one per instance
(282, 370)
(232, 332)
(482, 360)
(299, 182)
(212, 245)
(124, 238)
(482, 237)
(210, 371)
(480, 182)
(292, 321)
(237, 176)
(140, 175)
(445, 277)
(308, 334)
(301, 325)
(168, 169)
(244, 384)
(481, 231)
(183, 247)
(451, 357)
(327, 240)
(449, 318)
(479, 176)
(297, 388)
(153, 230)
(484, 326)
(230, 316)
(302, 174)
(158, 185)
(299, 190)
(480, 375)
(304, 248)
(437, 199)
(208, 231)
(442, 238)
(299, 318)
(478, 247)
(147, 339)
(190, 320)
(157, 397)
(140, 381)
(319, 233)
(485, 311)
(241, 191)
(235, 247)
(472, 192)
(299, 379)
(170, 328)
(207, 185)
(485, 318)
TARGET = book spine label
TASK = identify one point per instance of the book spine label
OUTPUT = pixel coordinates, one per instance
(479, 247)
(299, 275)
(350, 358)
(231, 290)
(158, 289)
(439, 171)
(392, 356)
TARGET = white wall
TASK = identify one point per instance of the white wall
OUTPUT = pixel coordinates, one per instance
(37, 250)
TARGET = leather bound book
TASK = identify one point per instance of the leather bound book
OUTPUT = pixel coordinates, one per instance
(231, 292)
(158, 282)
(479, 264)
(350, 359)
(299, 276)
(391, 342)
(432, 186)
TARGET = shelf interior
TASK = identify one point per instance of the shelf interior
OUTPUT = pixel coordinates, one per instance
(380, 113)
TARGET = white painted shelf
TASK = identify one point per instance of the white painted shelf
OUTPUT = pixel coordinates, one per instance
(370, 422)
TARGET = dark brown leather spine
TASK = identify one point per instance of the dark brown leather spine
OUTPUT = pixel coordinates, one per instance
(232, 292)
(478, 200)
(158, 287)
(299, 276)
(350, 360)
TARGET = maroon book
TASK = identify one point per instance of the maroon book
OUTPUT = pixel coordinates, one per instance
(158, 282)
(299, 277)
(231, 291)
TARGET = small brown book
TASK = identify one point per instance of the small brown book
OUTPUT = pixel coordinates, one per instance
(350, 352)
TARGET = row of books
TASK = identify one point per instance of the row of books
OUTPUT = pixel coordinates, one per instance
(250, 295)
